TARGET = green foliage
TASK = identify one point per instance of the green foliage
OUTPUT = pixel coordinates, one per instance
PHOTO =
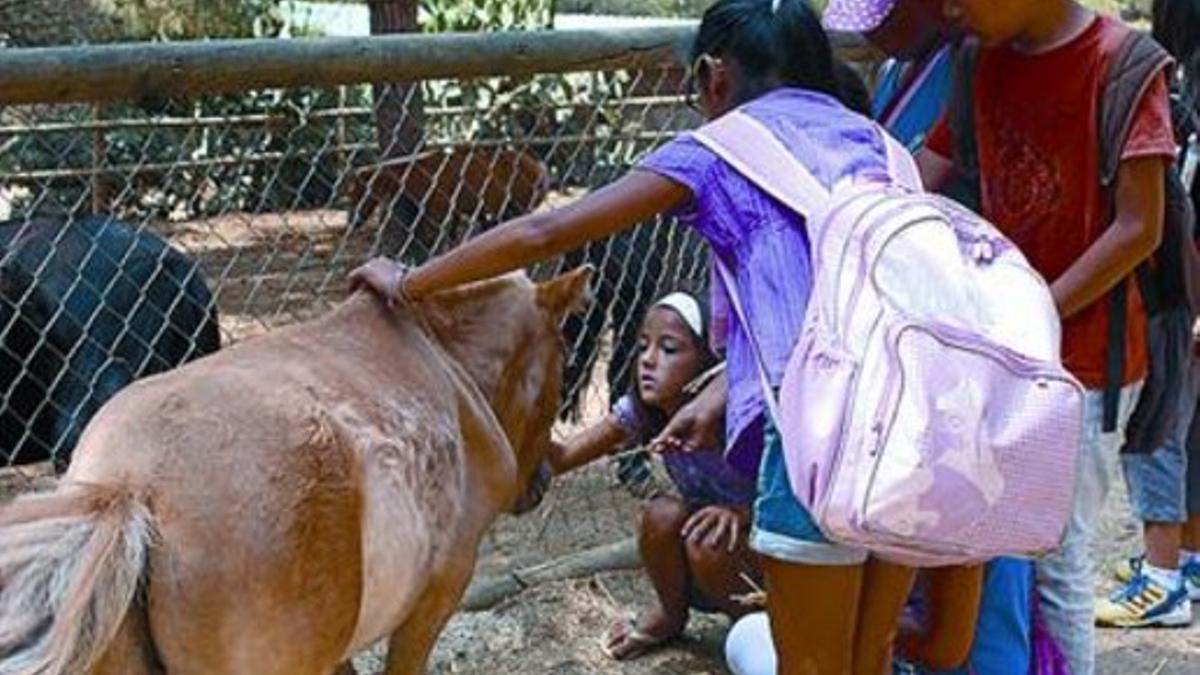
(192, 19)
(213, 169)
(57, 22)
(669, 8)
(202, 170)
(443, 16)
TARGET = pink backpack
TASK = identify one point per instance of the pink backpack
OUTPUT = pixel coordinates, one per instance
(925, 412)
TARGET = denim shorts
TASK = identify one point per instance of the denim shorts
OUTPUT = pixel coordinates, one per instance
(783, 528)
(1164, 485)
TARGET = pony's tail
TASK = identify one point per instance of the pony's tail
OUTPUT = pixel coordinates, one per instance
(71, 566)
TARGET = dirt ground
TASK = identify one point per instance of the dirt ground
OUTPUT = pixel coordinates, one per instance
(556, 628)
(274, 270)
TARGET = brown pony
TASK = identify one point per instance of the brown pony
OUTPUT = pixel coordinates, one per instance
(275, 507)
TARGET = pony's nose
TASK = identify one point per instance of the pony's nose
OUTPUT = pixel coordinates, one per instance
(536, 491)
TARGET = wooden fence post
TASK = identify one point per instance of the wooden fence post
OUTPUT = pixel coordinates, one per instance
(399, 121)
(101, 184)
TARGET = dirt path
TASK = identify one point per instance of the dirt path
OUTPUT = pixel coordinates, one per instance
(557, 628)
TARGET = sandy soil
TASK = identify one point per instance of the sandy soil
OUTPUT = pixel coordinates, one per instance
(556, 628)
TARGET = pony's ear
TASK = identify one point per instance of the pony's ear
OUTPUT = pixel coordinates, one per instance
(566, 293)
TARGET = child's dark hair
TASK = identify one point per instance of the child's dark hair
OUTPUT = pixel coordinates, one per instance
(774, 43)
(1177, 27)
(854, 93)
(656, 420)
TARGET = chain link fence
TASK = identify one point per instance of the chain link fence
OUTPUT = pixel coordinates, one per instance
(162, 200)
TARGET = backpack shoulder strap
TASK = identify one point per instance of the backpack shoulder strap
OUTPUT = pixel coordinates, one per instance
(751, 148)
(961, 108)
(755, 152)
(1137, 61)
(1134, 64)
(901, 166)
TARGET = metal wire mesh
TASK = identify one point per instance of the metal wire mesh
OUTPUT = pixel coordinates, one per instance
(143, 231)
(134, 228)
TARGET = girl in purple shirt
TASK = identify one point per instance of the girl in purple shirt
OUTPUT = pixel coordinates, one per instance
(831, 610)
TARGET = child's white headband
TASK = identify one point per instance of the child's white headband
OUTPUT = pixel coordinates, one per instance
(687, 308)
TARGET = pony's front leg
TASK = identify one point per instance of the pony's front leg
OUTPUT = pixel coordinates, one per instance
(346, 668)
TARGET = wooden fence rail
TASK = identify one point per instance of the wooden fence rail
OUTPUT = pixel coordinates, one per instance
(134, 72)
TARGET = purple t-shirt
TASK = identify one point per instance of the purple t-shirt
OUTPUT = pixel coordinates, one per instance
(764, 243)
(703, 478)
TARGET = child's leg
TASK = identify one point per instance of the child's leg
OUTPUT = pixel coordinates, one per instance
(1154, 593)
(1156, 492)
(1163, 541)
(717, 575)
(1190, 541)
(813, 610)
(662, 552)
(1191, 529)
(952, 599)
(1065, 576)
(885, 589)
(813, 585)
(1157, 486)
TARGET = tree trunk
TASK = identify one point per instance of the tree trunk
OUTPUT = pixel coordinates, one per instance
(399, 122)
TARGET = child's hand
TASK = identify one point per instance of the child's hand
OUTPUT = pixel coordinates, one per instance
(382, 276)
(697, 426)
(712, 525)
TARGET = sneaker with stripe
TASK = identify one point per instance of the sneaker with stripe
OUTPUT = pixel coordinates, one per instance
(1144, 603)
(1131, 567)
(1191, 578)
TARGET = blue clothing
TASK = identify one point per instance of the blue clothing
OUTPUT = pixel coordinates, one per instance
(909, 112)
(783, 528)
(1004, 632)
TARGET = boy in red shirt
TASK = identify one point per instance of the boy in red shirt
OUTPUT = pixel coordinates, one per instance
(1037, 89)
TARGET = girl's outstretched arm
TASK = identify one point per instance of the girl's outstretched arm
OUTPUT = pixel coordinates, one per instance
(594, 442)
(619, 206)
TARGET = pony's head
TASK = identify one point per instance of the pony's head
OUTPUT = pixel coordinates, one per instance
(506, 333)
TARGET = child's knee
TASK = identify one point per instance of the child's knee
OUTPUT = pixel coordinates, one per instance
(661, 517)
(704, 560)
